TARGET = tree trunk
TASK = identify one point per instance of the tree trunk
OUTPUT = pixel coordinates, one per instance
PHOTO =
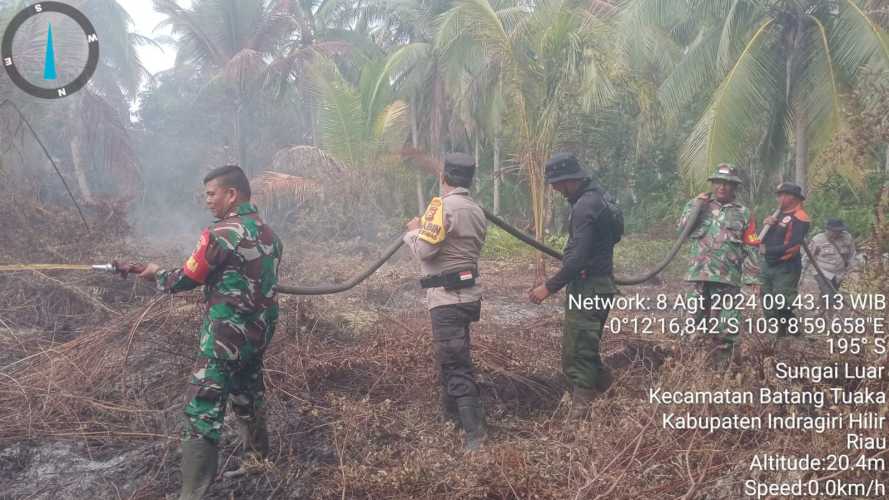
(800, 139)
(801, 146)
(497, 173)
(415, 140)
(241, 138)
(886, 160)
(79, 170)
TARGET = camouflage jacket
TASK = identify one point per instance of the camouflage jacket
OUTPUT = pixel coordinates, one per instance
(237, 261)
(723, 245)
(834, 258)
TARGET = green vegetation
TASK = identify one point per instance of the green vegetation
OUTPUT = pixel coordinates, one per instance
(649, 94)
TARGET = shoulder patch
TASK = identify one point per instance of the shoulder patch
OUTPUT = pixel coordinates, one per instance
(801, 215)
(432, 228)
(196, 267)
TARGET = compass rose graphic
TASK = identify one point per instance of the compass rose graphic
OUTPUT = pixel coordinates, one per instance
(48, 87)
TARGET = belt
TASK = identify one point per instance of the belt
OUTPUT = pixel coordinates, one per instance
(452, 280)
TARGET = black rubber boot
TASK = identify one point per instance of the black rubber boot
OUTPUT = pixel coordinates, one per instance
(472, 417)
(199, 458)
(581, 397)
(448, 406)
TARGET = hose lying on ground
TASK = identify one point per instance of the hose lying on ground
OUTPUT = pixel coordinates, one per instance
(341, 287)
(395, 245)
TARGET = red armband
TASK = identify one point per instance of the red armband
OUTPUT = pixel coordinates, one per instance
(196, 267)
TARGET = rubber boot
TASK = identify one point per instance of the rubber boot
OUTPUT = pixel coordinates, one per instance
(604, 380)
(581, 397)
(448, 406)
(472, 417)
(254, 444)
(199, 458)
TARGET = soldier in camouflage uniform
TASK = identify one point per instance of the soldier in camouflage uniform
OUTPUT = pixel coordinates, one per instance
(723, 240)
(237, 262)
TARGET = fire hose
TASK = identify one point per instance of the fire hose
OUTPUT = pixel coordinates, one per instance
(513, 231)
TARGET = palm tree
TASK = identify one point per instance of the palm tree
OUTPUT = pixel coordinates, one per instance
(544, 61)
(101, 109)
(360, 126)
(230, 39)
(777, 70)
(420, 73)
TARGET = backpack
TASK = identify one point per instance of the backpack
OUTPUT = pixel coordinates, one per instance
(615, 214)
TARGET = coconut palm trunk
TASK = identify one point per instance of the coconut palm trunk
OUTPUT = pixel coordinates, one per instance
(496, 171)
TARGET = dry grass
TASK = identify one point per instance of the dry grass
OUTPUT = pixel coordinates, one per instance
(353, 408)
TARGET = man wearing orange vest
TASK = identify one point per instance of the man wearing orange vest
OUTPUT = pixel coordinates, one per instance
(782, 265)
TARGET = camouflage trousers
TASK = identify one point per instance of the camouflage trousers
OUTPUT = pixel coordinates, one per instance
(217, 382)
(780, 280)
(450, 330)
(581, 335)
(707, 293)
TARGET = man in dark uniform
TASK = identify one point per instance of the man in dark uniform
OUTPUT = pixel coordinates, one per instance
(587, 266)
(236, 261)
(447, 242)
(782, 265)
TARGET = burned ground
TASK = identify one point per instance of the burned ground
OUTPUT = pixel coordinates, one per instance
(93, 371)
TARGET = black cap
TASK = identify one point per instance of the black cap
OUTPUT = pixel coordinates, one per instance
(790, 188)
(459, 166)
(835, 225)
(563, 167)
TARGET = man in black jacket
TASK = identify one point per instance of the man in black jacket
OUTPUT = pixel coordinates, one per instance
(587, 266)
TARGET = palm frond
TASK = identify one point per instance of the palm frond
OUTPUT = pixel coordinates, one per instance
(341, 114)
(196, 42)
(818, 88)
(274, 187)
(243, 69)
(742, 101)
(306, 161)
(390, 126)
(696, 71)
(857, 41)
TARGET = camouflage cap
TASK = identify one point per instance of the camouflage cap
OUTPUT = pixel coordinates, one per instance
(790, 188)
(725, 172)
(563, 167)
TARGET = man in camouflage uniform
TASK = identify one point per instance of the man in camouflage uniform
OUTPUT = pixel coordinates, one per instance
(447, 242)
(782, 262)
(595, 226)
(834, 252)
(236, 261)
(724, 239)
